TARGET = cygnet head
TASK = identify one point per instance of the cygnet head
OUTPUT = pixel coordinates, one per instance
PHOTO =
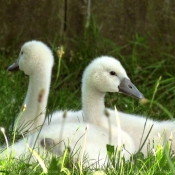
(34, 56)
(106, 74)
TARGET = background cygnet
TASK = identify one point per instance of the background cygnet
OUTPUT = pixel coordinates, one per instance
(36, 60)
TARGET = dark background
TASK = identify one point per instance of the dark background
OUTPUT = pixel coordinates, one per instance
(64, 21)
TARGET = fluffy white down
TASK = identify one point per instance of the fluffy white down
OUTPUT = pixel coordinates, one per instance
(36, 60)
(134, 125)
(93, 93)
(97, 137)
(91, 142)
(161, 130)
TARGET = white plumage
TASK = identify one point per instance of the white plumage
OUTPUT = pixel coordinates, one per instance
(95, 137)
(96, 82)
(36, 60)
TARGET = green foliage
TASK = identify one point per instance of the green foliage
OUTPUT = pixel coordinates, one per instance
(143, 66)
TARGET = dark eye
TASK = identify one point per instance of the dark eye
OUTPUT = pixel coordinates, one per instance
(112, 73)
(22, 52)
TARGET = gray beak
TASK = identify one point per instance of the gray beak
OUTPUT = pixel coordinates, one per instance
(14, 66)
(128, 88)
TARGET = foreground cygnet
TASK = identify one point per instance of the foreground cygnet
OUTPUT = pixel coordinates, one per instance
(103, 74)
(106, 74)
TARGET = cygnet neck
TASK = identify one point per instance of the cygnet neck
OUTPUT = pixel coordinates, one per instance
(93, 105)
(36, 100)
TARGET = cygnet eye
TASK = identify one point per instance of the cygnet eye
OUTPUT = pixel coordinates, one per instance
(113, 73)
(22, 52)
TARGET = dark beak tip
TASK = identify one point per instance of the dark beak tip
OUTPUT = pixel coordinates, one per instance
(13, 67)
(10, 68)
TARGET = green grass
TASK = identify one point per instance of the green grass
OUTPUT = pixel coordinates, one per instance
(143, 65)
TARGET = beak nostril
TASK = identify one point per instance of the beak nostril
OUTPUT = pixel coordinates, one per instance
(127, 87)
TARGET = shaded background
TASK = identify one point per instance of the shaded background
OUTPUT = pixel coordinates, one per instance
(64, 22)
